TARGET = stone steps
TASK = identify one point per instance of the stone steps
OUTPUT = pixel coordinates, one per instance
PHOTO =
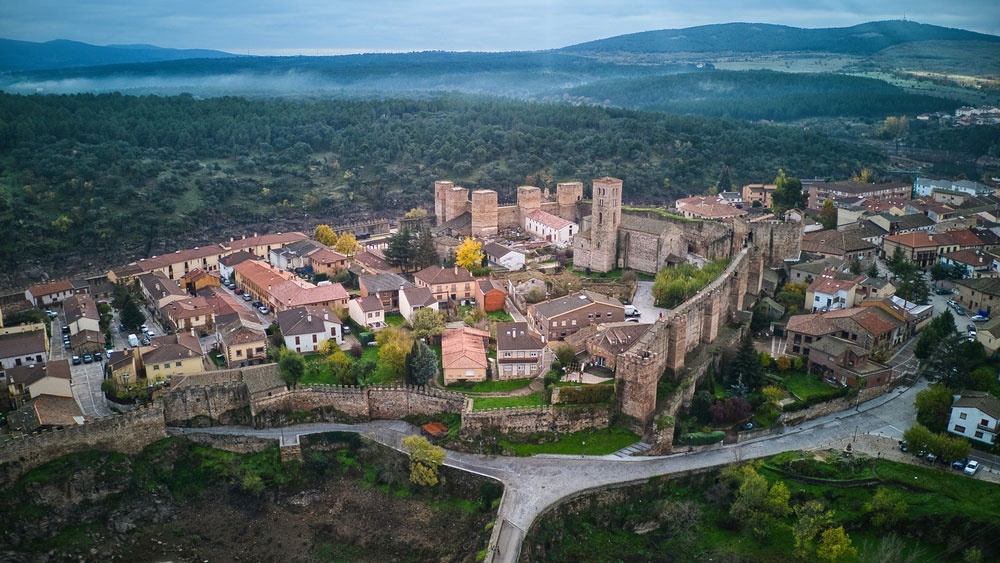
(635, 449)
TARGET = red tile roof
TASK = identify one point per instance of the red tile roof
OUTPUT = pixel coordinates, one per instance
(463, 348)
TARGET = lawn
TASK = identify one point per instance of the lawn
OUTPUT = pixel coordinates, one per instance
(500, 316)
(586, 442)
(486, 403)
(805, 386)
(490, 386)
(394, 319)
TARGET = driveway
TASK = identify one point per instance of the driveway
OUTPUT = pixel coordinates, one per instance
(86, 388)
(644, 302)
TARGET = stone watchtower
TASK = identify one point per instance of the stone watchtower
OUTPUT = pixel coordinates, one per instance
(606, 217)
(441, 189)
(567, 195)
(484, 213)
(529, 199)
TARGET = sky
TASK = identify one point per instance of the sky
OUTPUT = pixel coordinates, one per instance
(329, 27)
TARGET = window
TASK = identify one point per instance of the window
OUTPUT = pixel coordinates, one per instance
(960, 429)
(574, 322)
(609, 315)
(520, 353)
(507, 368)
(963, 415)
(297, 340)
(979, 435)
(534, 354)
(239, 353)
(156, 367)
(984, 422)
(564, 323)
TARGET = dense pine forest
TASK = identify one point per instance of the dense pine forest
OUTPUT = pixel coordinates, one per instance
(126, 176)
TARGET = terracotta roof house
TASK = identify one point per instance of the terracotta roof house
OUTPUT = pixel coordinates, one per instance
(22, 348)
(549, 227)
(822, 191)
(447, 284)
(838, 244)
(759, 194)
(198, 279)
(499, 255)
(869, 327)
(291, 294)
(919, 247)
(52, 411)
(241, 339)
(81, 314)
(412, 299)
(171, 355)
(557, 318)
(221, 302)
(975, 415)
(186, 315)
(520, 352)
(610, 340)
(306, 328)
(158, 290)
(804, 330)
(258, 278)
(370, 263)
(32, 380)
(463, 355)
(326, 261)
(972, 263)
(87, 341)
(846, 363)
(708, 207)
(827, 293)
(385, 286)
(48, 293)
(490, 295)
(367, 312)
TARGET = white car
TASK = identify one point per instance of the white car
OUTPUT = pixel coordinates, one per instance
(979, 318)
(972, 467)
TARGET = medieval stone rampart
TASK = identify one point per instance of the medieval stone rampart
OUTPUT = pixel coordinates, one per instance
(536, 419)
(362, 403)
(127, 433)
(207, 405)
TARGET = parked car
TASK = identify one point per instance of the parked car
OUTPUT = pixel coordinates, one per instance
(931, 458)
(247, 297)
(145, 340)
(346, 330)
(67, 345)
(65, 330)
(88, 359)
(150, 333)
(97, 356)
(959, 464)
(52, 314)
(262, 309)
(952, 303)
(122, 328)
(238, 291)
(980, 318)
(942, 291)
(972, 467)
(959, 311)
(631, 311)
(76, 360)
(903, 446)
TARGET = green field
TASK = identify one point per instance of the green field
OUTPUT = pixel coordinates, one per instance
(486, 403)
(490, 386)
(805, 385)
(586, 442)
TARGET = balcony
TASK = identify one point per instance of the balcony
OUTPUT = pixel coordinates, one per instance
(985, 428)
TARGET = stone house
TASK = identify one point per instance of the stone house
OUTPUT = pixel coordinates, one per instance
(846, 363)
(979, 294)
(923, 249)
(610, 340)
(44, 294)
(520, 353)
(463, 355)
(843, 245)
(412, 299)
(490, 295)
(706, 207)
(367, 312)
(501, 256)
(159, 291)
(447, 284)
(972, 263)
(557, 318)
(305, 328)
(974, 415)
(326, 261)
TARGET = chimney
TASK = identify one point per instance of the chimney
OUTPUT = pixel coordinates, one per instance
(309, 318)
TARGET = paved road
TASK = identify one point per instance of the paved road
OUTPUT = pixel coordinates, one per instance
(87, 378)
(534, 484)
(643, 300)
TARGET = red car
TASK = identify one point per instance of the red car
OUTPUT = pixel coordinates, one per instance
(238, 291)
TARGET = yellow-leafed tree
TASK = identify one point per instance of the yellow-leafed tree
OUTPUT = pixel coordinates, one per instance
(347, 244)
(325, 235)
(425, 459)
(469, 254)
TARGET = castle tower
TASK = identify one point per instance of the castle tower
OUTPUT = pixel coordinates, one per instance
(441, 188)
(484, 213)
(529, 198)
(456, 202)
(605, 219)
(567, 194)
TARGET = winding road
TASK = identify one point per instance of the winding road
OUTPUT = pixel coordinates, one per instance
(534, 484)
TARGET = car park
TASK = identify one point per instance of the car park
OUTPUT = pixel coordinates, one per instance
(77, 360)
(972, 467)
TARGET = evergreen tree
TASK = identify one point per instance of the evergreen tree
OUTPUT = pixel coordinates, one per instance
(421, 364)
(399, 252)
(787, 194)
(746, 366)
(828, 215)
(873, 270)
(131, 316)
(425, 253)
(725, 183)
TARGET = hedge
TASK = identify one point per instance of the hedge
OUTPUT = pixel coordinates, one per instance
(587, 394)
(701, 438)
(815, 400)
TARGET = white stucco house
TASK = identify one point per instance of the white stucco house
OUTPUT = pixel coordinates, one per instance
(305, 328)
(974, 415)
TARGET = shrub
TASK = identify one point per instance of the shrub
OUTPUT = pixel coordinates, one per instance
(701, 438)
(587, 394)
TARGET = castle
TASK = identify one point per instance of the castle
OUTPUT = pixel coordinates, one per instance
(482, 215)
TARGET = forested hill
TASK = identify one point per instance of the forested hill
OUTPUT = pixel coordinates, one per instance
(62, 53)
(92, 181)
(864, 39)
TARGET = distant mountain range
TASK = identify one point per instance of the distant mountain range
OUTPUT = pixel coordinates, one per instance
(62, 53)
(863, 39)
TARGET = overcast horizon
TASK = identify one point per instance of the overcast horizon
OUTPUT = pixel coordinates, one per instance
(321, 27)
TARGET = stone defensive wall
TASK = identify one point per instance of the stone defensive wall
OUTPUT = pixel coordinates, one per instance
(207, 405)
(530, 420)
(662, 349)
(361, 403)
(126, 433)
